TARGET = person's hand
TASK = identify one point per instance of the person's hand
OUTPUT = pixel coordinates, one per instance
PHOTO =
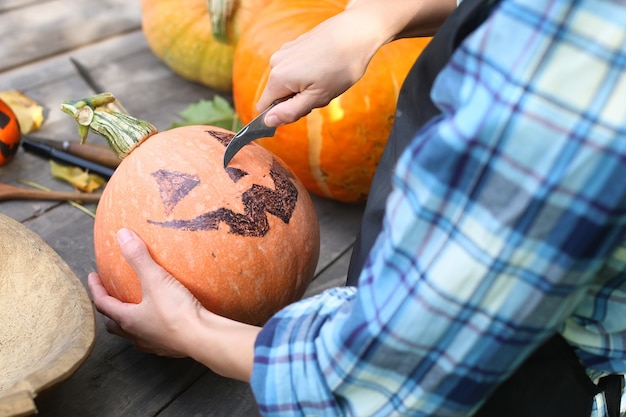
(158, 323)
(326, 61)
(170, 321)
(318, 66)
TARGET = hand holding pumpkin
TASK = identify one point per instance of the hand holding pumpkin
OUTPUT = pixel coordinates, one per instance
(170, 321)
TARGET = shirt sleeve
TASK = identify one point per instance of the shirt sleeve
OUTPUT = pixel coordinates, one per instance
(503, 211)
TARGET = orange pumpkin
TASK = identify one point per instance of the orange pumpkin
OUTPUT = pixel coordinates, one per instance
(10, 136)
(197, 38)
(243, 239)
(334, 150)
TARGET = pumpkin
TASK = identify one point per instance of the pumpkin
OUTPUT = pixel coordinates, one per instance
(333, 150)
(10, 136)
(243, 239)
(197, 39)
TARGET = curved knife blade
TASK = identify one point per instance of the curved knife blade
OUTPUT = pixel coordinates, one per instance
(256, 129)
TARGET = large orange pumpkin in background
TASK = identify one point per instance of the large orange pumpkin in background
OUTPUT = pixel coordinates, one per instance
(10, 135)
(334, 150)
(243, 239)
(197, 38)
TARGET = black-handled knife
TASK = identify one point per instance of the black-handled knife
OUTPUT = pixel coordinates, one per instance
(50, 152)
(100, 154)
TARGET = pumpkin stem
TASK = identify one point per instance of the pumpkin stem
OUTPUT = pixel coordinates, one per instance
(122, 131)
(220, 12)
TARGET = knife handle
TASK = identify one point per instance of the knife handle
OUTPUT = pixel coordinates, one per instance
(100, 154)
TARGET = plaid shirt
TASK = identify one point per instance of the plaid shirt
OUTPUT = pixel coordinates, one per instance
(506, 223)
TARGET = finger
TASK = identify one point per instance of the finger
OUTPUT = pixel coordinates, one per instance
(137, 255)
(293, 109)
(277, 86)
(95, 286)
(271, 93)
(105, 304)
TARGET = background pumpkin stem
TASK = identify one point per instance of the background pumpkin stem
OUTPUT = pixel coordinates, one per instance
(220, 12)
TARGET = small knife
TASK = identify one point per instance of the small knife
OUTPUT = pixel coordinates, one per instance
(99, 154)
(256, 129)
(64, 157)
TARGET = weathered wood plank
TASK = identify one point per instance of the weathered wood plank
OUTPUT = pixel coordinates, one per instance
(333, 276)
(214, 396)
(339, 224)
(53, 27)
(146, 87)
(55, 69)
(123, 65)
(70, 233)
(132, 384)
(15, 4)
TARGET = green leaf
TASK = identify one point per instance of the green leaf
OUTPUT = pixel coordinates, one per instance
(216, 112)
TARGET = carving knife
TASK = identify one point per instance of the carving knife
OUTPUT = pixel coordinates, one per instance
(99, 154)
(256, 129)
(64, 157)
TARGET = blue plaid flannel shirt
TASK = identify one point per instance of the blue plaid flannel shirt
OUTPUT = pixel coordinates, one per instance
(506, 223)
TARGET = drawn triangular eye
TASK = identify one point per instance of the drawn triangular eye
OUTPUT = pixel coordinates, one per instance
(235, 174)
(174, 186)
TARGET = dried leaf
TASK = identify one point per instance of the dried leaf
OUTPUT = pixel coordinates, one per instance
(217, 112)
(29, 114)
(76, 176)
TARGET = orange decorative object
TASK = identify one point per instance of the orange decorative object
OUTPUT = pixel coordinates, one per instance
(334, 150)
(243, 239)
(197, 39)
(10, 136)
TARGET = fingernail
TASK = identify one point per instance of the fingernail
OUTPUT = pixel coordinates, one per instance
(124, 235)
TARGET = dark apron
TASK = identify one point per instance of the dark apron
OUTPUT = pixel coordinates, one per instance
(551, 382)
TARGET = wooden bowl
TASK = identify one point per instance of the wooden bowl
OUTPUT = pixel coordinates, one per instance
(47, 322)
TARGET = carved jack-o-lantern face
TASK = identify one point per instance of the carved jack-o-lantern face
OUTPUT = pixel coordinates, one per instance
(9, 133)
(243, 239)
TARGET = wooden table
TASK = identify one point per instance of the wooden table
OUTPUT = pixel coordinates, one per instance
(37, 39)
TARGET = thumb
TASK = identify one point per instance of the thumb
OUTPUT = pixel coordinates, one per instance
(137, 255)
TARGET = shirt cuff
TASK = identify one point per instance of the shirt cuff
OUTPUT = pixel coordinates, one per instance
(286, 377)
